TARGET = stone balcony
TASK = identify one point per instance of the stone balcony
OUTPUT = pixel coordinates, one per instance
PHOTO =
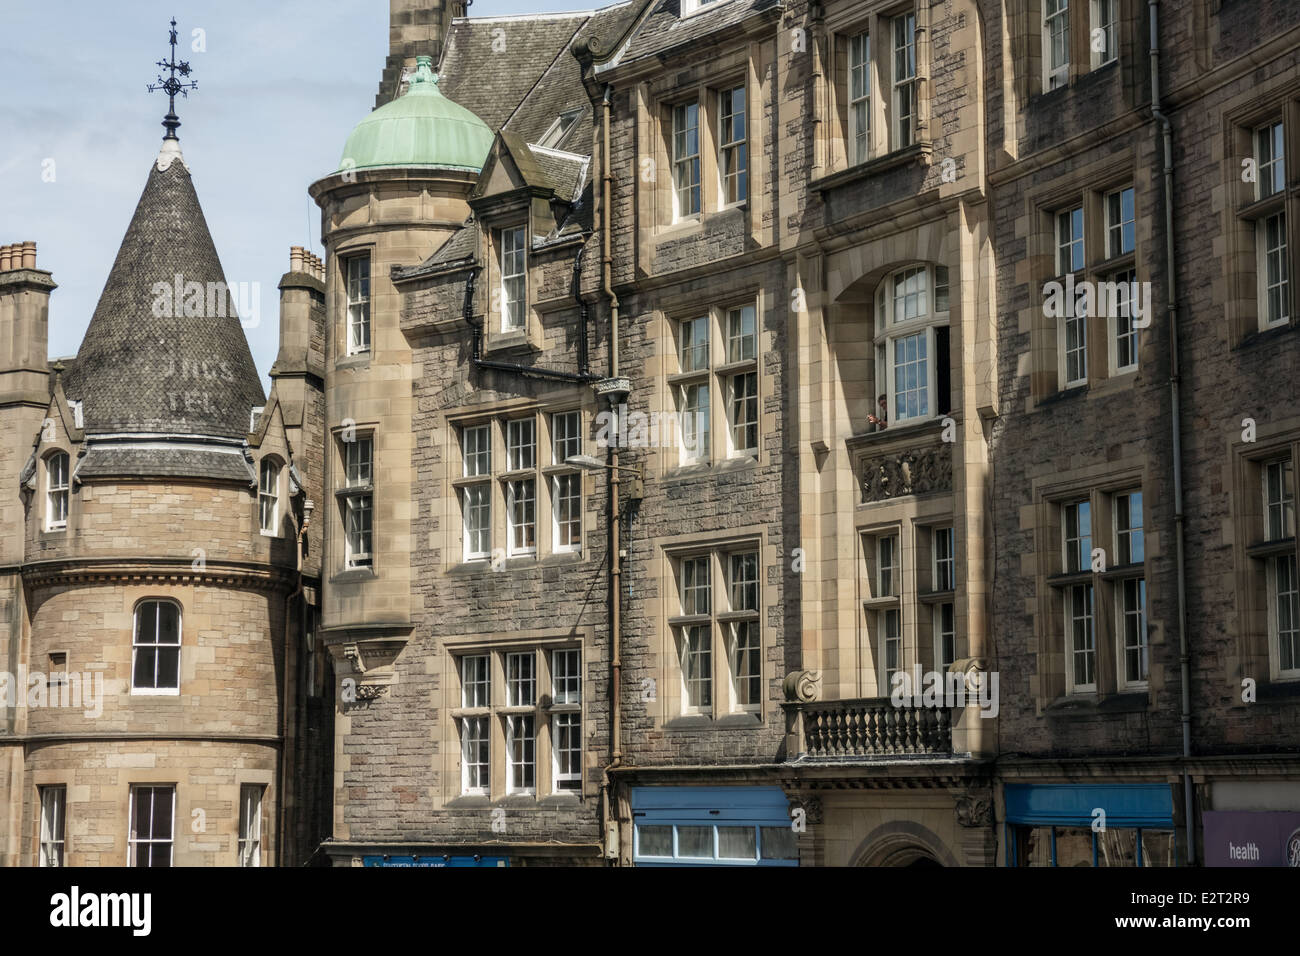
(867, 727)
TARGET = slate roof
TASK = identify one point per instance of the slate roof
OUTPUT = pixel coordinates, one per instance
(566, 172)
(138, 371)
(665, 29)
(106, 461)
(492, 83)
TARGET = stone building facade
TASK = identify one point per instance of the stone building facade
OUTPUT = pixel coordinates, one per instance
(158, 598)
(739, 433)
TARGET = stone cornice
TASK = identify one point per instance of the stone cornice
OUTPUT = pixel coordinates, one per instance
(234, 574)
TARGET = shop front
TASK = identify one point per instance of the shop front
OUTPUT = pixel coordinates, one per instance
(1090, 825)
(712, 826)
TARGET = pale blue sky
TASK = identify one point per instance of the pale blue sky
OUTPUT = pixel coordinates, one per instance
(280, 86)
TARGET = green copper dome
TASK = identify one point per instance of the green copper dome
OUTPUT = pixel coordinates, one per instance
(422, 128)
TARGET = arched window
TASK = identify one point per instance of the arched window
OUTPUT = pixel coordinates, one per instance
(56, 492)
(268, 496)
(912, 364)
(156, 648)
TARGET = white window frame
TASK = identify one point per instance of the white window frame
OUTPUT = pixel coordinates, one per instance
(249, 844)
(1090, 617)
(1056, 13)
(888, 572)
(894, 328)
(1273, 253)
(859, 147)
(1275, 567)
(476, 516)
(1104, 17)
(358, 503)
(1123, 613)
(357, 293)
(475, 730)
(686, 163)
(694, 421)
(696, 654)
(268, 498)
(518, 767)
(742, 414)
(476, 451)
(742, 345)
(51, 851)
(566, 780)
(1123, 506)
(1270, 164)
(1079, 552)
(888, 638)
(903, 80)
(566, 528)
(521, 517)
(1120, 223)
(733, 147)
(566, 436)
(1124, 335)
(512, 264)
(57, 491)
(1283, 502)
(944, 581)
(521, 444)
(135, 842)
(156, 646)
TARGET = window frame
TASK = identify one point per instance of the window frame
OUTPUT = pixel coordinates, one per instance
(271, 495)
(730, 146)
(891, 332)
(357, 501)
(57, 492)
(357, 313)
(685, 164)
(512, 243)
(156, 645)
(248, 843)
(51, 835)
(134, 842)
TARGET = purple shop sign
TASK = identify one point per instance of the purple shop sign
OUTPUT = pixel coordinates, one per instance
(1241, 838)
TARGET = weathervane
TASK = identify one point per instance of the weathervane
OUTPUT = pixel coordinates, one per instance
(171, 86)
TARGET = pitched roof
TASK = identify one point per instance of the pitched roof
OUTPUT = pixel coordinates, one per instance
(106, 461)
(145, 366)
(490, 64)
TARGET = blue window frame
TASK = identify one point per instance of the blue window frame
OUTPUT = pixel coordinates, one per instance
(1138, 825)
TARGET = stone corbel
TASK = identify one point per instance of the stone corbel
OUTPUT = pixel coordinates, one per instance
(372, 665)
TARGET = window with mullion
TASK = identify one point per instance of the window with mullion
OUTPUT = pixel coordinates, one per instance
(521, 444)
(888, 567)
(521, 515)
(1270, 161)
(945, 559)
(566, 436)
(889, 623)
(733, 164)
(697, 667)
(1279, 500)
(475, 681)
(475, 756)
(1121, 223)
(1129, 541)
(693, 411)
(521, 679)
(742, 335)
(686, 159)
(693, 344)
(566, 511)
(1130, 549)
(566, 751)
(697, 585)
(1123, 320)
(476, 450)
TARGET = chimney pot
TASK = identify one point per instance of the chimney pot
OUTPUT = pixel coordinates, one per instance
(295, 258)
(29, 255)
(6, 258)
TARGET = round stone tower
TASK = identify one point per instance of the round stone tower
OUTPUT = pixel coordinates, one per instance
(161, 574)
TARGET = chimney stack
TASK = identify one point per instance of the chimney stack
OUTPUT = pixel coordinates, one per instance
(24, 336)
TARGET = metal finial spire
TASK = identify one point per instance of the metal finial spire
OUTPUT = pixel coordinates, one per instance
(171, 86)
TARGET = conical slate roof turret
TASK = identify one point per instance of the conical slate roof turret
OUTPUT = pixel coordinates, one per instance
(165, 354)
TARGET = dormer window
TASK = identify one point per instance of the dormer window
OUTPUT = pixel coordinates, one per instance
(75, 408)
(512, 263)
(56, 492)
(691, 6)
(558, 130)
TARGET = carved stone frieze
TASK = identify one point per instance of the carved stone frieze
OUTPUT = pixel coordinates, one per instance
(918, 471)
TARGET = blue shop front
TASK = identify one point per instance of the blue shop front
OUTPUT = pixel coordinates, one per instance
(712, 826)
(1116, 824)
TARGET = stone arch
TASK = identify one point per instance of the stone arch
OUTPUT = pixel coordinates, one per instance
(902, 843)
